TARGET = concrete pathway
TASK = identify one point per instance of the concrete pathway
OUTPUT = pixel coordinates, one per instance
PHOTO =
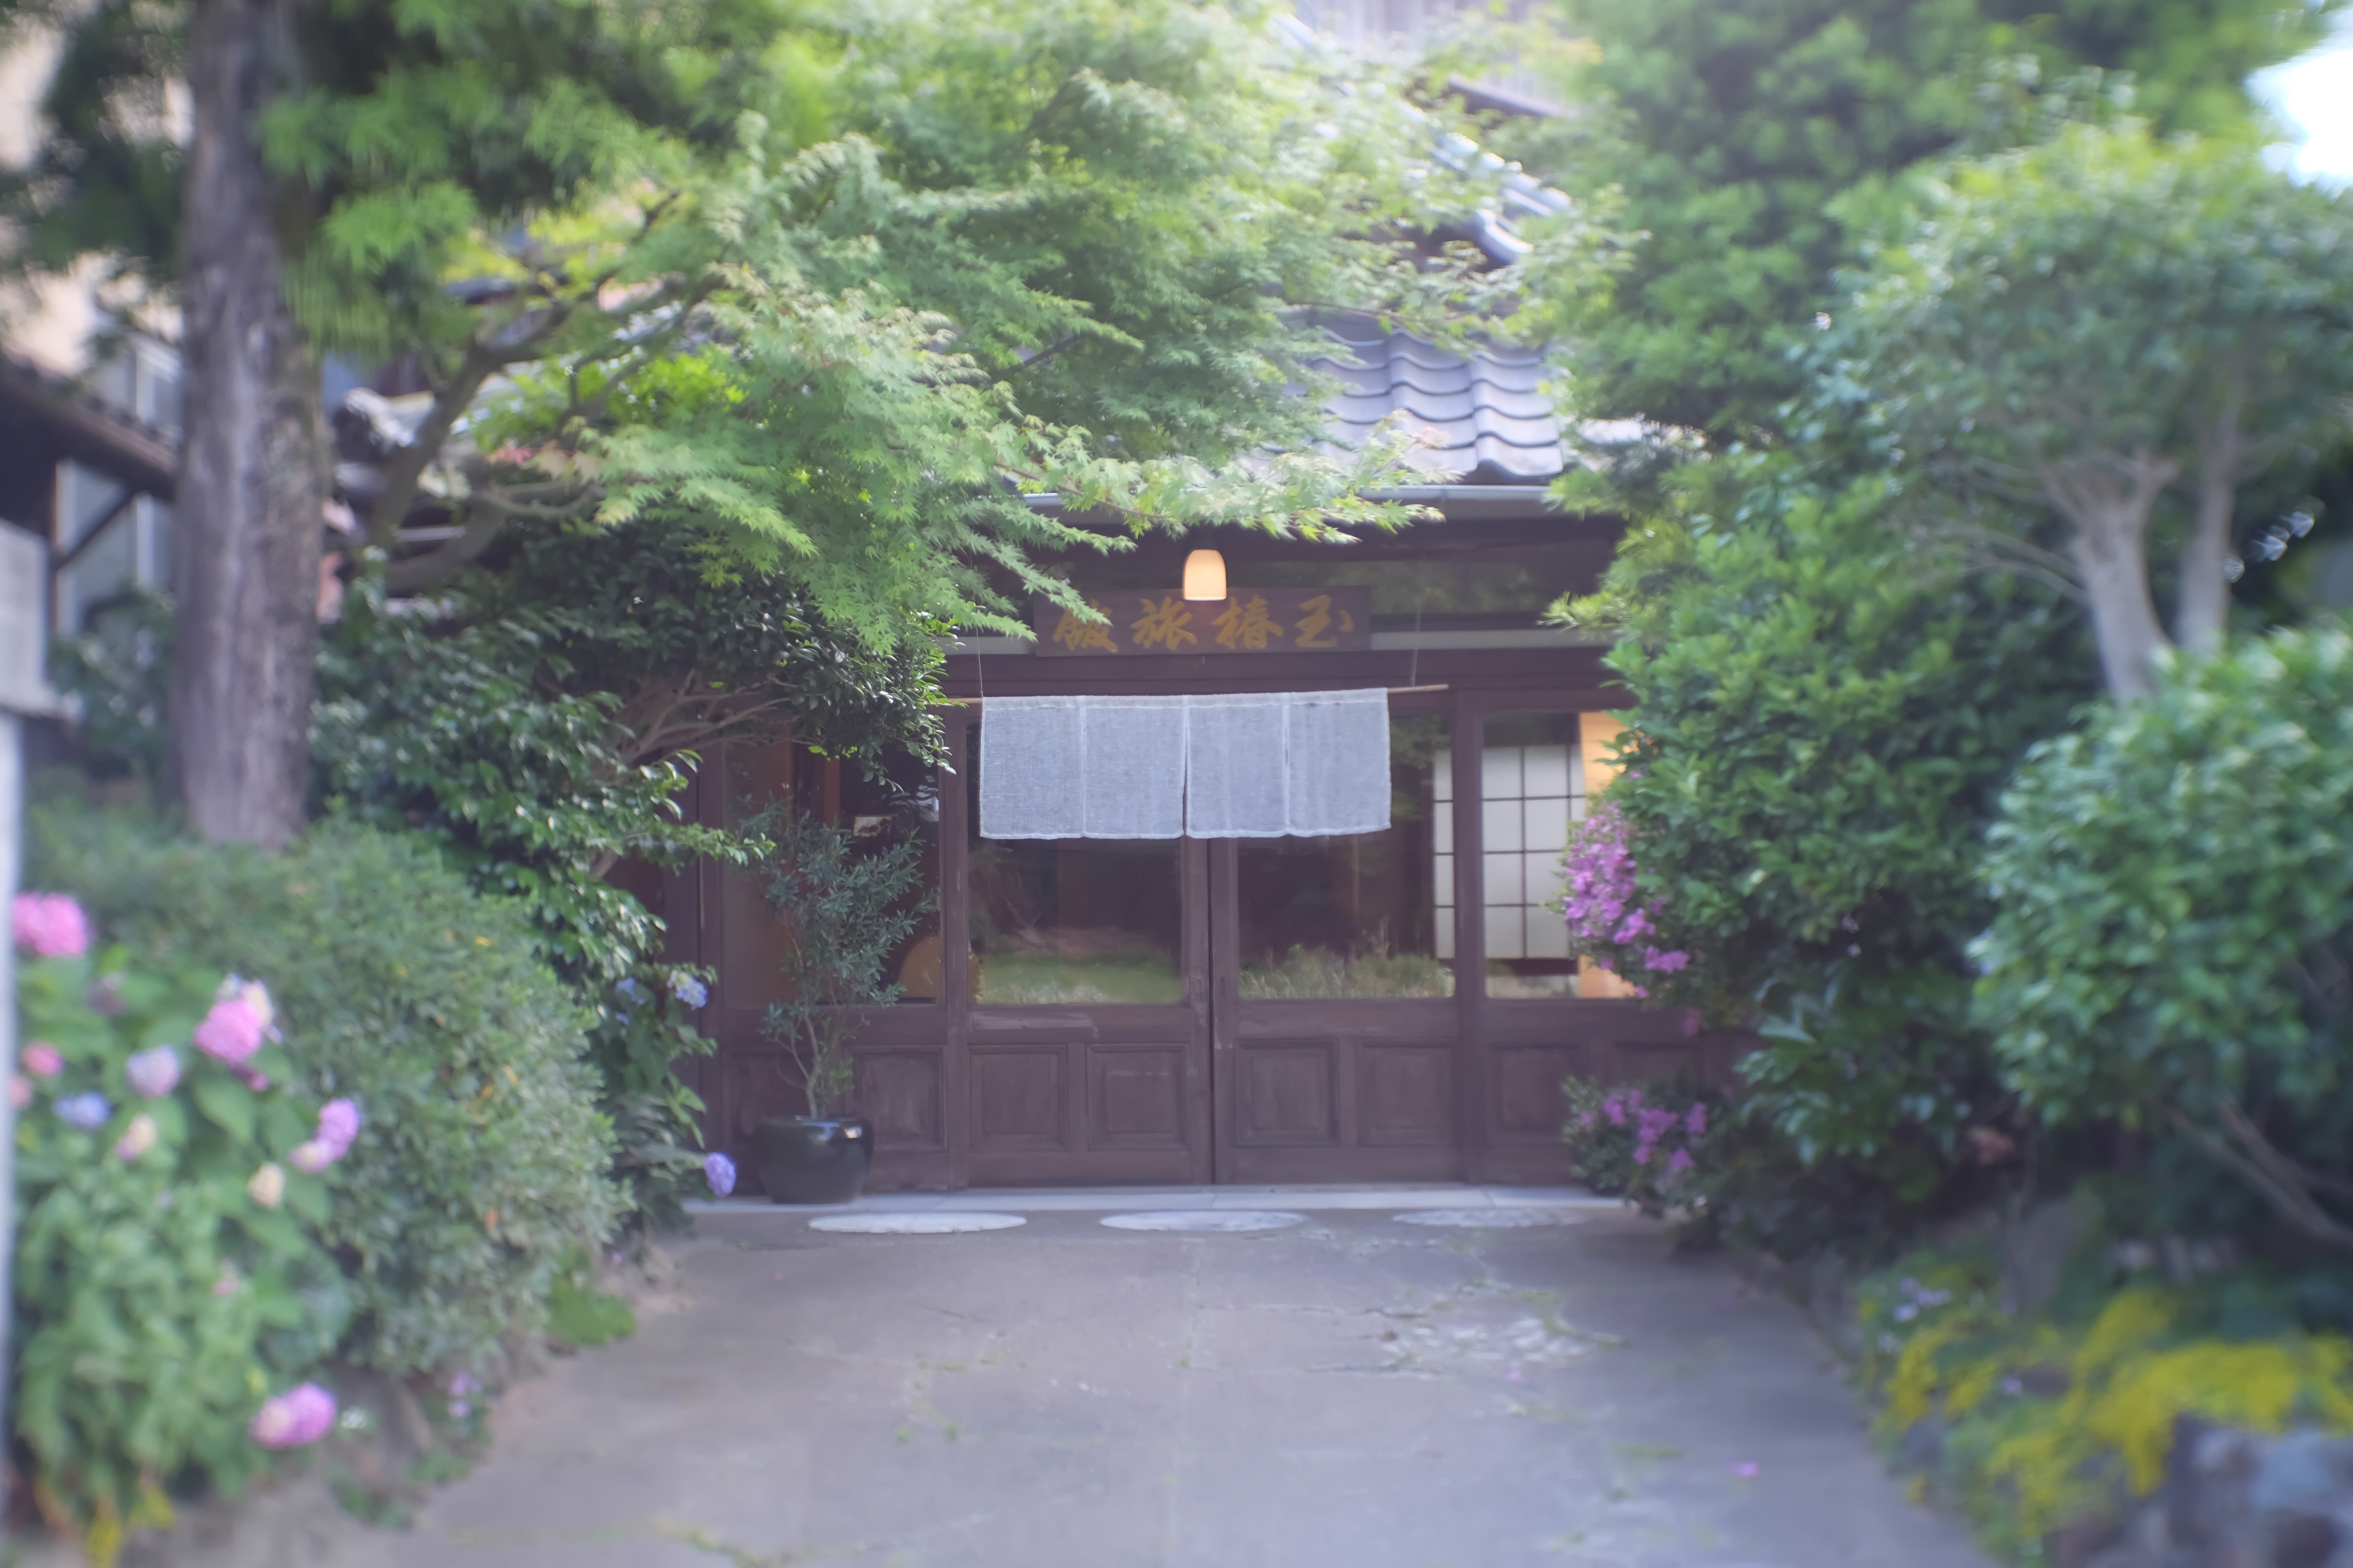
(1547, 1387)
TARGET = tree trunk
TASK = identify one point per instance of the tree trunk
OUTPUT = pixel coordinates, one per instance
(253, 478)
(2108, 499)
(2203, 612)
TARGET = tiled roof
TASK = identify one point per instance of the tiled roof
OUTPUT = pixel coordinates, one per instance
(1483, 419)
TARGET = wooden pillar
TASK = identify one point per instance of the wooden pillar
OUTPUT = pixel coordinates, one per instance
(956, 951)
(1467, 739)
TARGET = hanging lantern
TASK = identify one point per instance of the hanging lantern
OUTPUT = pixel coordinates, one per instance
(1204, 575)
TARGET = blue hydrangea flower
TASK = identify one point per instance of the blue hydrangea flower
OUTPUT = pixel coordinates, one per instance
(689, 990)
(87, 1110)
(720, 1172)
(628, 989)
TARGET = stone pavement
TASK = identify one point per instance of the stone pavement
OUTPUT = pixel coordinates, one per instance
(1549, 1387)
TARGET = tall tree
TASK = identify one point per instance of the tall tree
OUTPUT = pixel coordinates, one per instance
(253, 482)
(1740, 137)
(826, 287)
(2077, 329)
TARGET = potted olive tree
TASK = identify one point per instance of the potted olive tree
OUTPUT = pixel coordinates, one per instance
(845, 908)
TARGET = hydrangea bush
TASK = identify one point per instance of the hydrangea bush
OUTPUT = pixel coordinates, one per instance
(170, 1178)
(482, 1162)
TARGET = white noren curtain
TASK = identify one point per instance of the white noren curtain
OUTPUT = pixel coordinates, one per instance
(1252, 765)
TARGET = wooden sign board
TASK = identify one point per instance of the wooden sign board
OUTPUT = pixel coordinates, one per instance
(1248, 620)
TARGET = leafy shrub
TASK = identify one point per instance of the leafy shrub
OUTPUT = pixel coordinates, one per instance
(846, 910)
(644, 1026)
(1824, 714)
(483, 1159)
(2174, 940)
(169, 1186)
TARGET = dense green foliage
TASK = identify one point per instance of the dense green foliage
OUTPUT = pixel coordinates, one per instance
(2080, 332)
(1744, 139)
(2174, 897)
(825, 286)
(158, 1297)
(1825, 716)
(846, 907)
(483, 1159)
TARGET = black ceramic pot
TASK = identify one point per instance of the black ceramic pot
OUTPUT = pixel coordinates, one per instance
(813, 1160)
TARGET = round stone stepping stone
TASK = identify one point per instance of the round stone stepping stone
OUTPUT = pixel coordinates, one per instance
(1489, 1219)
(914, 1224)
(1229, 1221)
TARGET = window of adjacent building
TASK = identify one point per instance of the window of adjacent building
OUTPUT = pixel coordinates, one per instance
(1357, 915)
(113, 542)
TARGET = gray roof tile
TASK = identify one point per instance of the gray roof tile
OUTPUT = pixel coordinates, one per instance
(1485, 418)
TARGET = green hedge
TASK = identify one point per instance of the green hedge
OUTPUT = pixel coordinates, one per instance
(483, 1160)
(2173, 945)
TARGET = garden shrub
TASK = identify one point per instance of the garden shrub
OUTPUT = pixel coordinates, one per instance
(2173, 938)
(1644, 1140)
(1824, 714)
(483, 1159)
(170, 1178)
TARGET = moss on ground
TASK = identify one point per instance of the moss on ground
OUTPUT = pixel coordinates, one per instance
(2039, 1422)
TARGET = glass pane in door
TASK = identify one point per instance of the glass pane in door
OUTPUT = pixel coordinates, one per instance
(1073, 921)
(1360, 915)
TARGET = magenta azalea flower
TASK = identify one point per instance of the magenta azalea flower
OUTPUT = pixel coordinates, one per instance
(1696, 1122)
(49, 925)
(1680, 1160)
(294, 1420)
(1665, 962)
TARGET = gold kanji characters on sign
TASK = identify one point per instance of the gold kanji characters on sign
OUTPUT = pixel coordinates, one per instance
(1318, 621)
(1075, 634)
(1246, 624)
(1163, 625)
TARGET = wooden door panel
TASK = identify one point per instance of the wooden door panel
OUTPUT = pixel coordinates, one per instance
(1529, 1104)
(899, 1092)
(1135, 1099)
(1406, 1094)
(1288, 1094)
(1018, 1099)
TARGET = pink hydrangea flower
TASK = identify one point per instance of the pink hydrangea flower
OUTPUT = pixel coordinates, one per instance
(231, 1032)
(41, 1059)
(294, 1420)
(49, 925)
(20, 1090)
(339, 1123)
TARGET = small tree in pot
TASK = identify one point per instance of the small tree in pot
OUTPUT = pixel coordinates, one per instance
(846, 909)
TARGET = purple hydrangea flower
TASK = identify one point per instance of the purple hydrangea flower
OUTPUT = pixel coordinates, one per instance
(85, 1110)
(720, 1172)
(153, 1074)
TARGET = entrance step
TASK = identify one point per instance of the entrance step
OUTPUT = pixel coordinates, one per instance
(1106, 1200)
